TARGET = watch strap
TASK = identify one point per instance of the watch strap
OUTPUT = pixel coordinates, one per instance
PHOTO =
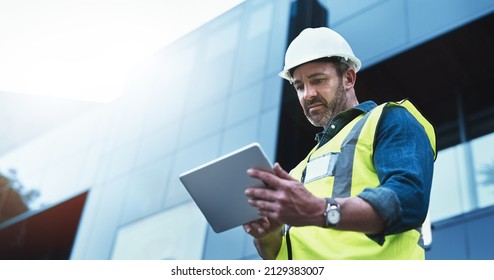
(332, 201)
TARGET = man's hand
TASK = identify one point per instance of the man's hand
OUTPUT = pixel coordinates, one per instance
(267, 237)
(261, 228)
(285, 200)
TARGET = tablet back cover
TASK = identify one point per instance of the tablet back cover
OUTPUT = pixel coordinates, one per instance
(217, 187)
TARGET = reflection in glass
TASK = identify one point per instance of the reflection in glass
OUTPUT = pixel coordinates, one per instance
(15, 198)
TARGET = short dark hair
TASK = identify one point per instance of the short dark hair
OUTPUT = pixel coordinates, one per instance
(340, 66)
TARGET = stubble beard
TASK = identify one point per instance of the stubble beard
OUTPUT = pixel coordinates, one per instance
(331, 109)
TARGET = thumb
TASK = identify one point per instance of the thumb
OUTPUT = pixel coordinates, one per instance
(280, 172)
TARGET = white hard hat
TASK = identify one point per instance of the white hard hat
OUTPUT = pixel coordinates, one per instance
(314, 43)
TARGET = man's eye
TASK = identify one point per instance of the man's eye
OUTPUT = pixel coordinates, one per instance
(318, 81)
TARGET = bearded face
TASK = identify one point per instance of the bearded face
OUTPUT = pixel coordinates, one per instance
(320, 112)
(320, 91)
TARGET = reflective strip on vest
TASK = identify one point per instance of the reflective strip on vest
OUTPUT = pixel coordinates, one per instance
(344, 170)
(354, 171)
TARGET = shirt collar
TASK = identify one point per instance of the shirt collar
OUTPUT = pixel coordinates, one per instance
(350, 114)
(366, 106)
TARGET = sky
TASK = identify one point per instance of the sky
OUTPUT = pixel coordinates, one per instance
(82, 49)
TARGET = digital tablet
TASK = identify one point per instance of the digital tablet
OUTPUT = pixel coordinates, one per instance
(217, 187)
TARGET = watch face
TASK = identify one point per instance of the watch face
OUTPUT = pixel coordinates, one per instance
(333, 217)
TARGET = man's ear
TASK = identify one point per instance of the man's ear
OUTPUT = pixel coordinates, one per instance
(349, 78)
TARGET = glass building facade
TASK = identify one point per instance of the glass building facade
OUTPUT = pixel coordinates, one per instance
(210, 92)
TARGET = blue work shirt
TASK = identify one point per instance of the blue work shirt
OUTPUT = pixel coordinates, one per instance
(404, 162)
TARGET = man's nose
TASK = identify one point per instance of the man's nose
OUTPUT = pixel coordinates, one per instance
(310, 92)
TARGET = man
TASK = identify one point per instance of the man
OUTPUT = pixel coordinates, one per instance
(363, 191)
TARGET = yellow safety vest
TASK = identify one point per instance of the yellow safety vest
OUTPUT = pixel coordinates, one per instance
(353, 171)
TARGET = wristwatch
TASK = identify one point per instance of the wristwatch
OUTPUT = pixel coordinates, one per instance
(332, 213)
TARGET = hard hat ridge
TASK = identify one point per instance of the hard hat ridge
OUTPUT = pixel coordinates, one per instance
(315, 43)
